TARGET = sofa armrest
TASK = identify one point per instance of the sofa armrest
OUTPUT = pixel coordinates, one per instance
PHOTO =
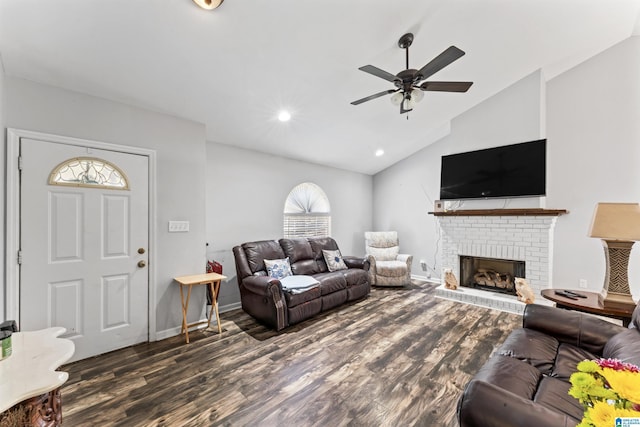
(356, 262)
(571, 327)
(485, 405)
(261, 285)
(405, 258)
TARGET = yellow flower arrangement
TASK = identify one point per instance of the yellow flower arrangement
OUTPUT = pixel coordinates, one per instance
(608, 389)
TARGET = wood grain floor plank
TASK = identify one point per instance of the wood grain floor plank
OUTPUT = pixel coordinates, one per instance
(398, 357)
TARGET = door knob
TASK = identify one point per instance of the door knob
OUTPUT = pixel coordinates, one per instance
(140, 251)
(142, 264)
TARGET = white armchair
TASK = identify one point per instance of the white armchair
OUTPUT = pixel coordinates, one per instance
(388, 266)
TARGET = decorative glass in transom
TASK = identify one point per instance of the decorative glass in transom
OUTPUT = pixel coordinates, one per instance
(89, 172)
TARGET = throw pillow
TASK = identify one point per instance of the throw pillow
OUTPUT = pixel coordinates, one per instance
(278, 268)
(334, 260)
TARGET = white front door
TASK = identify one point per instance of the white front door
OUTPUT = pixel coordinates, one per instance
(84, 250)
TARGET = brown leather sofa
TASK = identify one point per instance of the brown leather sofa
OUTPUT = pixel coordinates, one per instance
(525, 383)
(264, 298)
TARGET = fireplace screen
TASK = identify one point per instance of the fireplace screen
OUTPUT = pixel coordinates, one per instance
(492, 274)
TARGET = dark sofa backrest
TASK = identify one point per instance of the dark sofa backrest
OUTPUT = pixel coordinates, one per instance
(256, 252)
(305, 255)
(300, 255)
(317, 245)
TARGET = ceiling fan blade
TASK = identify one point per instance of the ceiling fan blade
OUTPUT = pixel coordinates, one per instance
(374, 96)
(379, 73)
(446, 86)
(439, 62)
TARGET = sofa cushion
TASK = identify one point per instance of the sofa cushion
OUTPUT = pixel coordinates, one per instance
(331, 282)
(257, 252)
(554, 394)
(297, 249)
(278, 268)
(567, 359)
(307, 267)
(294, 299)
(624, 346)
(533, 347)
(510, 374)
(334, 260)
(317, 245)
(391, 268)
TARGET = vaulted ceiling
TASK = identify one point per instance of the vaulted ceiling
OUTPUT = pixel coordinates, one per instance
(235, 67)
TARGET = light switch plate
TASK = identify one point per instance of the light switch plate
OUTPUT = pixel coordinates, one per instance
(178, 226)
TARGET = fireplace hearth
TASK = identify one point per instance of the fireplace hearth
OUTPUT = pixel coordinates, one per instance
(491, 274)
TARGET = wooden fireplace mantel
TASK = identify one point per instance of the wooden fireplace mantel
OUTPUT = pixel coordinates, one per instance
(503, 212)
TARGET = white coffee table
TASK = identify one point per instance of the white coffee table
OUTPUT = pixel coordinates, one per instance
(30, 371)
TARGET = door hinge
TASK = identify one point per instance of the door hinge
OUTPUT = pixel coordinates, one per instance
(19, 163)
(19, 257)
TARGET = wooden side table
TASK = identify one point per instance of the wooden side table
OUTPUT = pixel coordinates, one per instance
(213, 280)
(590, 304)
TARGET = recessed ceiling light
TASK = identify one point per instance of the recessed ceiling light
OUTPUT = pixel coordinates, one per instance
(284, 116)
(379, 152)
(208, 4)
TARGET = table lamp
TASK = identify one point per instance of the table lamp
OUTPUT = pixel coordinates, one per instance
(618, 225)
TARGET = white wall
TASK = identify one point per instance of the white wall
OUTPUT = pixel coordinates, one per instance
(405, 192)
(181, 166)
(589, 116)
(593, 122)
(2, 162)
(246, 191)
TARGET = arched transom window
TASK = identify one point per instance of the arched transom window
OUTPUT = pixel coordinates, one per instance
(89, 172)
(307, 212)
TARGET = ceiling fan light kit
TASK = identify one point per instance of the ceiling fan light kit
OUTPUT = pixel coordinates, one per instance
(208, 4)
(408, 83)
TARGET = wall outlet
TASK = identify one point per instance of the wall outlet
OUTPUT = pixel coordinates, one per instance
(583, 283)
(423, 265)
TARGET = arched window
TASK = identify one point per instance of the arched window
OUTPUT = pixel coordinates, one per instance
(89, 172)
(307, 212)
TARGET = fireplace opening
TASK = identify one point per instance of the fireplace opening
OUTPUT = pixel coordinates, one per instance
(491, 274)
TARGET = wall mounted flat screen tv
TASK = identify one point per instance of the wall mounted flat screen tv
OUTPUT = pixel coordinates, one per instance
(517, 170)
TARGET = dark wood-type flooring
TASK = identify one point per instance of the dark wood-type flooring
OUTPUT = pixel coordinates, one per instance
(397, 358)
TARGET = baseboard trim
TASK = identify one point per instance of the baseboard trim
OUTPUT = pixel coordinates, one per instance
(229, 307)
(435, 280)
(172, 332)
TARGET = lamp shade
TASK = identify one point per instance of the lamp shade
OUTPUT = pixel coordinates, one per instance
(616, 221)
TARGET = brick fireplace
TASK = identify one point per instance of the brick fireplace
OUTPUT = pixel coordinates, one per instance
(523, 236)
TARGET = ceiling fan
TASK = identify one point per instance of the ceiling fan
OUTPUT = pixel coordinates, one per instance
(408, 82)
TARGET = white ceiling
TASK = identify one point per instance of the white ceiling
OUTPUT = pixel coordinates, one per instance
(235, 67)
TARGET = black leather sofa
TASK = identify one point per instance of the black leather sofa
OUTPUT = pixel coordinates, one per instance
(526, 381)
(264, 298)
